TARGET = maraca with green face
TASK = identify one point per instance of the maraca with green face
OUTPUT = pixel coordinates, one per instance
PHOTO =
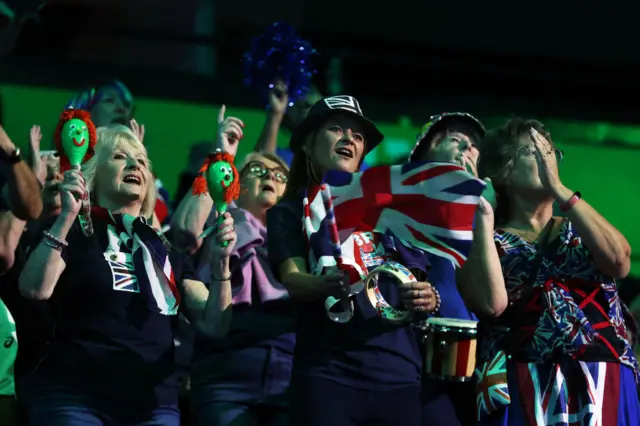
(75, 140)
(220, 178)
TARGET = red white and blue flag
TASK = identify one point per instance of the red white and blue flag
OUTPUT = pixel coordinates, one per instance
(429, 206)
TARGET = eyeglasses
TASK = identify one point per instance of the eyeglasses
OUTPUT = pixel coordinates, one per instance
(527, 150)
(259, 170)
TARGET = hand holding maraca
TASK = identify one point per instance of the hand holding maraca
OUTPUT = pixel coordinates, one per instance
(218, 176)
(75, 139)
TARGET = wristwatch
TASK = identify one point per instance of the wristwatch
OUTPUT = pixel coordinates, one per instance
(11, 158)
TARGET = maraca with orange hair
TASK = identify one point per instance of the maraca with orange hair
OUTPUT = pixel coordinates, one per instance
(75, 139)
(219, 176)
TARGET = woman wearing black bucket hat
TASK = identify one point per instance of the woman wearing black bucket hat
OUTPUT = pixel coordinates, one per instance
(364, 371)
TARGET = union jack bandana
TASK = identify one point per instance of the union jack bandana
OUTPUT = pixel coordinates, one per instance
(150, 271)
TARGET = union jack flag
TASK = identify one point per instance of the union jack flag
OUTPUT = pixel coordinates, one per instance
(429, 206)
(574, 393)
(492, 389)
(124, 275)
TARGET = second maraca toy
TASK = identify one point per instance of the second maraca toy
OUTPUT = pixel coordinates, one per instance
(75, 139)
(218, 176)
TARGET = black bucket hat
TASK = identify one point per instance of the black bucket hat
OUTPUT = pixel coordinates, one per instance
(439, 121)
(322, 110)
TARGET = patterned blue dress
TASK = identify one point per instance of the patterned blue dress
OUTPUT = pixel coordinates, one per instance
(572, 362)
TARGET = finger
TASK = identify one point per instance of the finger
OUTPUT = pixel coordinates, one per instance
(279, 84)
(234, 130)
(405, 287)
(226, 230)
(227, 237)
(76, 190)
(235, 120)
(226, 222)
(221, 112)
(419, 294)
(74, 174)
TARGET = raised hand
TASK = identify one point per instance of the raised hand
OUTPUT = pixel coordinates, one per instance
(5, 142)
(72, 191)
(229, 132)
(278, 98)
(36, 163)
(488, 200)
(547, 161)
(138, 129)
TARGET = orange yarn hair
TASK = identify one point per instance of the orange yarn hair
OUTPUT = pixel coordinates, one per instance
(232, 192)
(64, 117)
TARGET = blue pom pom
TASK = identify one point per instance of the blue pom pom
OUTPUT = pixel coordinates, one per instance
(279, 52)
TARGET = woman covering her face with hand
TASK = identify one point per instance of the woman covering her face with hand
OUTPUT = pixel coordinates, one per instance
(115, 296)
(365, 371)
(551, 322)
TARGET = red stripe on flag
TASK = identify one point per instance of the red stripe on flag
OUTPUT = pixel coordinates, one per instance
(443, 214)
(611, 394)
(431, 173)
(423, 239)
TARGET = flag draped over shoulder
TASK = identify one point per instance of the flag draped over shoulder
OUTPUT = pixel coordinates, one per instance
(429, 206)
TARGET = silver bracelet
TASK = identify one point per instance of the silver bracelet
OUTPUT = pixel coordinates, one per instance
(53, 242)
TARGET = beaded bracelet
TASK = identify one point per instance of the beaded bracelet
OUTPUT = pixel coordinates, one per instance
(54, 242)
(438, 300)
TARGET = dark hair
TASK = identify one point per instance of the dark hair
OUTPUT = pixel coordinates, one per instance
(497, 154)
(444, 128)
(299, 173)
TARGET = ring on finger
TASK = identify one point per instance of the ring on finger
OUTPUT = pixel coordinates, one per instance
(420, 294)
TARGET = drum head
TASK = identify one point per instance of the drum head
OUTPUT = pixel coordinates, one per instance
(452, 322)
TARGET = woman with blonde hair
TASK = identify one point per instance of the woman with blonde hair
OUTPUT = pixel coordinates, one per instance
(553, 347)
(115, 296)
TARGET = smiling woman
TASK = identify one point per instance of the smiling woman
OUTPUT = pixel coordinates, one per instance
(119, 174)
(120, 290)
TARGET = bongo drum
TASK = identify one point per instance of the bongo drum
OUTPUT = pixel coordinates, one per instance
(450, 349)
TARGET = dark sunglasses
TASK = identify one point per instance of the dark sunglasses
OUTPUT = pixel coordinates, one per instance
(260, 170)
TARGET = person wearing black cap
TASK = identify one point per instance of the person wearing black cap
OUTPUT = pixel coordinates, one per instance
(364, 371)
(449, 137)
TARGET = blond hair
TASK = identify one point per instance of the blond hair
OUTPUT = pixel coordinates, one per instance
(120, 137)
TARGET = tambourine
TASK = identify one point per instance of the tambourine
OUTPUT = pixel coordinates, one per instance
(334, 303)
(400, 275)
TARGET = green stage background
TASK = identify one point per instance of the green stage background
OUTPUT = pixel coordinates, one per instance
(608, 175)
